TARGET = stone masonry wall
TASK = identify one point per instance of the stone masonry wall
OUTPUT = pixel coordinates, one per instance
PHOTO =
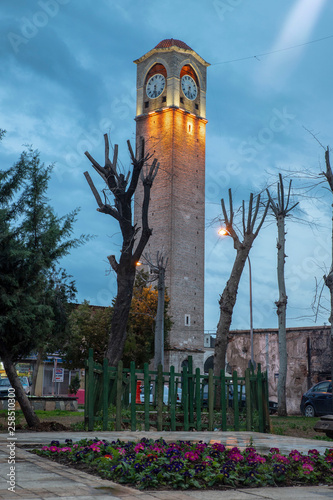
(308, 358)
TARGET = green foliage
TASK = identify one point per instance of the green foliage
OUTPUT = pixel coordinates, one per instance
(90, 327)
(32, 240)
(150, 464)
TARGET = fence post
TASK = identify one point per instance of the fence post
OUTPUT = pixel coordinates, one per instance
(260, 401)
(160, 393)
(146, 394)
(210, 400)
(91, 390)
(185, 399)
(133, 396)
(248, 400)
(173, 398)
(235, 400)
(105, 402)
(198, 399)
(118, 395)
(223, 403)
(190, 390)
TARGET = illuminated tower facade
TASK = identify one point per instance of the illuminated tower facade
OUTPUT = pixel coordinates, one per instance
(171, 117)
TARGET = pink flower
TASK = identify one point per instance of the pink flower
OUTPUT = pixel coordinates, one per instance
(190, 455)
(139, 447)
(237, 457)
(95, 448)
(45, 448)
(281, 459)
(121, 451)
(53, 449)
(307, 468)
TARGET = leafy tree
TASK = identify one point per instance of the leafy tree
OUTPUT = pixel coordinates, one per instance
(32, 240)
(59, 294)
(90, 328)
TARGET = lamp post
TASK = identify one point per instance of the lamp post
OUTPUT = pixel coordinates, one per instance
(224, 232)
(158, 274)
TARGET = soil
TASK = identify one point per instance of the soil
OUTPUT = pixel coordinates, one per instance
(61, 423)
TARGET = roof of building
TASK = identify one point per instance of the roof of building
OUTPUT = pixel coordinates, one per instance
(170, 42)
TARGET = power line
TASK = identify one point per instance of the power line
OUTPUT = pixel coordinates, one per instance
(273, 51)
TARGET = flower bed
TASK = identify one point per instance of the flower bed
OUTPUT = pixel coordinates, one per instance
(182, 464)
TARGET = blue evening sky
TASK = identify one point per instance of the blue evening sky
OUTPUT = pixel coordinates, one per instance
(67, 77)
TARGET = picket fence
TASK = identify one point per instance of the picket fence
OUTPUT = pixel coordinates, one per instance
(192, 401)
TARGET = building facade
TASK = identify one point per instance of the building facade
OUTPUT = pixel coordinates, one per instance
(171, 117)
(309, 358)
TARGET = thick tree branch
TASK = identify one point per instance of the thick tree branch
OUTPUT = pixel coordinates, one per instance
(113, 262)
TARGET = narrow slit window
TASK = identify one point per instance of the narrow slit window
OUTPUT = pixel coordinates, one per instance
(187, 320)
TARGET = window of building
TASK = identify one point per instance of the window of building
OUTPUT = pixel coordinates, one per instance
(187, 320)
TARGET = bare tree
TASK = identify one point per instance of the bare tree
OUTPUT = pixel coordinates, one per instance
(242, 245)
(329, 278)
(122, 189)
(281, 209)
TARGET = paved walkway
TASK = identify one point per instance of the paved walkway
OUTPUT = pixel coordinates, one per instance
(39, 479)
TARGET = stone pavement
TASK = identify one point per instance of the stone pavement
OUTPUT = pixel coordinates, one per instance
(39, 479)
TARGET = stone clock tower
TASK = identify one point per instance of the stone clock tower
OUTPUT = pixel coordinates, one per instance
(171, 116)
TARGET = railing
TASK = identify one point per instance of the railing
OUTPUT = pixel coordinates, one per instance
(142, 399)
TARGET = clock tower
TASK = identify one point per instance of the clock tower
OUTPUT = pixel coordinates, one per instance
(171, 117)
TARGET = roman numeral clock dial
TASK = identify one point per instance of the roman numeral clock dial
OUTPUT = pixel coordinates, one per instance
(155, 86)
(189, 87)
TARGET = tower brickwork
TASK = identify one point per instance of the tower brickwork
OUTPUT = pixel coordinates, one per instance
(171, 117)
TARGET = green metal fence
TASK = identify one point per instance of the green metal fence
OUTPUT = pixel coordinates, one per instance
(173, 401)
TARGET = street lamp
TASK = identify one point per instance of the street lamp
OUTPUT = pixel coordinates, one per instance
(224, 232)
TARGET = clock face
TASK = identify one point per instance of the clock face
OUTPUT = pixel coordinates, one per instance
(155, 86)
(189, 87)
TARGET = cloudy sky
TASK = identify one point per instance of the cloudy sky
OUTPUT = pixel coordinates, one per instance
(67, 76)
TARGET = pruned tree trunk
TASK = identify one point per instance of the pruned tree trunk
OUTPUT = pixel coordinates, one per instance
(117, 338)
(20, 395)
(280, 210)
(227, 303)
(229, 295)
(281, 312)
(122, 189)
(329, 279)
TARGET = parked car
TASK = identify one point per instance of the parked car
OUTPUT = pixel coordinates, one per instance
(5, 385)
(317, 401)
(272, 405)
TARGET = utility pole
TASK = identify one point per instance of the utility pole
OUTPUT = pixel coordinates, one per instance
(158, 270)
(159, 322)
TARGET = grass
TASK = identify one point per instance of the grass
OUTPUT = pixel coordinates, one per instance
(295, 426)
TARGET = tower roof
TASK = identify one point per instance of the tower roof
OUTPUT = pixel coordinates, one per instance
(170, 42)
(170, 45)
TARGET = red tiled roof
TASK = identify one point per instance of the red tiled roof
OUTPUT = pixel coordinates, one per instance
(169, 42)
